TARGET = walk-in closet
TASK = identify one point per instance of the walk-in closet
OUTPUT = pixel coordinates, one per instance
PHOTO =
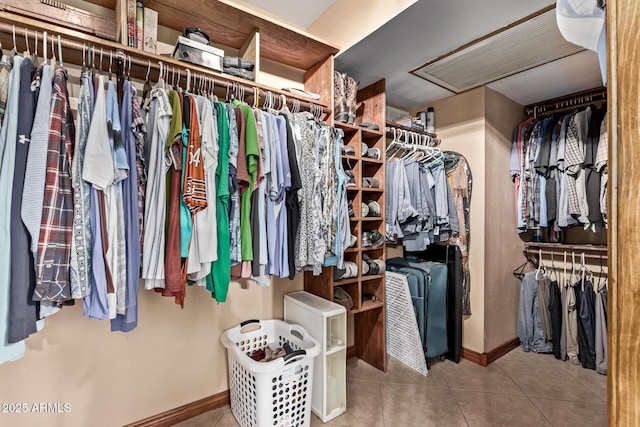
(303, 213)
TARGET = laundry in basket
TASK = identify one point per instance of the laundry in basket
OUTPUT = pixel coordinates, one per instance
(275, 393)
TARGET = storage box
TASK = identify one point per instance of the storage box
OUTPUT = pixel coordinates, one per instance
(275, 393)
(326, 321)
(198, 53)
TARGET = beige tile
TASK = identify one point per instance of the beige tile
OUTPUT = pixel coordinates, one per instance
(548, 382)
(397, 372)
(364, 405)
(207, 419)
(485, 409)
(473, 377)
(415, 405)
(227, 420)
(358, 369)
(346, 421)
(591, 379)
(563, 413)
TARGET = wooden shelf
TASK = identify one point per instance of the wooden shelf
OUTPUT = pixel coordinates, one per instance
(369, 318)
(367, 305)
(74, 41)
(372, 161)
(366, 132)
(348, 281)
(372, 277)
(230, 24)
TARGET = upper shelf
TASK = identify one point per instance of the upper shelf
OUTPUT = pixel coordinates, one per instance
(232, 25)
(73, 42)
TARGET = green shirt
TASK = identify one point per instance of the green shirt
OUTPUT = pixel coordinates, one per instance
(218, 280)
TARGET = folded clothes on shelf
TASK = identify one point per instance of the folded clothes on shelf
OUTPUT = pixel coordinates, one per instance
(239, 72)
(235, 62)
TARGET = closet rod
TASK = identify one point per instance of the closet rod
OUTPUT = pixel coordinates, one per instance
(558, 254)
(410, 129)
(560, 247)
(567, 102)
(403, 130)
(141, 61)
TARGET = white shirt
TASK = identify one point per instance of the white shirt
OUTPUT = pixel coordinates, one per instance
(155, 208)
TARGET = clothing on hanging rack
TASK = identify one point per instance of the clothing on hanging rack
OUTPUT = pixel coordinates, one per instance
(574, 314)
(171, 192)
(557, 172)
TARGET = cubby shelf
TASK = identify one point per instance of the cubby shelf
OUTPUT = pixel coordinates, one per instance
(368, 315)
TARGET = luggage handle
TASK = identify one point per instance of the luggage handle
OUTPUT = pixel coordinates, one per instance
(296, 355)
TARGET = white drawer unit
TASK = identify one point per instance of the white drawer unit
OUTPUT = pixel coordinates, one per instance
(325, 321)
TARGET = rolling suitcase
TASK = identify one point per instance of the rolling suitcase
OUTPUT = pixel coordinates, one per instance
(436, 306)
(452, 257)
(417, 289)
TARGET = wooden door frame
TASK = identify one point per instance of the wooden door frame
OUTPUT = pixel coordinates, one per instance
(623, 37)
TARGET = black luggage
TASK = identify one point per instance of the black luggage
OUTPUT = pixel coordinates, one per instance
(452, 257)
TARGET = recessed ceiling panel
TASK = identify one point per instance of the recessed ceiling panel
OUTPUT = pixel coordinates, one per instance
(558, 78)
(527, 45)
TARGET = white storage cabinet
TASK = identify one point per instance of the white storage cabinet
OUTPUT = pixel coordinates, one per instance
(325, 321)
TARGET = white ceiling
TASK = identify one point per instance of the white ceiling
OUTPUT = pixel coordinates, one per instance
(301, 13)
(429, 29)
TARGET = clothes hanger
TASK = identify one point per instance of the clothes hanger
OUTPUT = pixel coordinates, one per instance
(565, 270)
(27, 52)
(518, 273)
(110, 63)
(35, 49)
(14, 51)
(553, 269)
(60, 51)
(573, 268)
(542, 270)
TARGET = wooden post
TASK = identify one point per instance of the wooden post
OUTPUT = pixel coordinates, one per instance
(624, 212)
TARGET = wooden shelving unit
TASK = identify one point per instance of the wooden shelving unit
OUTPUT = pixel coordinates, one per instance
(368, 314)
(232, 25)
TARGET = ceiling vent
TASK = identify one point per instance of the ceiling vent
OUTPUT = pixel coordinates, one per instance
(529, 43)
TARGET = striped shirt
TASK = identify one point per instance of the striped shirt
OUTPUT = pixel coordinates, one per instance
(54, 243)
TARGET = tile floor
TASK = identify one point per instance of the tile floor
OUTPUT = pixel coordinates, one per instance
(520, 389)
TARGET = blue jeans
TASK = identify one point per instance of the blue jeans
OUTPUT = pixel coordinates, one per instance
(529, 320)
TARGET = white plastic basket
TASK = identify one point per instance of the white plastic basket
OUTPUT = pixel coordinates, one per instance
(276, 393)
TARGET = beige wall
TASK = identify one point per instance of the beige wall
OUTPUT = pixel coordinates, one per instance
(461, 126)
(174, 357)
(347, 22)
(503, 247)
(478, 124)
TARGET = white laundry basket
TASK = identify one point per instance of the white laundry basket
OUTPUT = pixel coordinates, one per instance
(276, 393)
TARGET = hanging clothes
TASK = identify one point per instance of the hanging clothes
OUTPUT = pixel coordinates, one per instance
(8, 142)
(23, 311)
(158, 122)
(601, 328)
(530, 330)
(557, 172)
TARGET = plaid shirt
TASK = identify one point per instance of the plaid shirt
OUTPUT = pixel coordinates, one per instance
(54, 244)
(140, 133)
(5, 68)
